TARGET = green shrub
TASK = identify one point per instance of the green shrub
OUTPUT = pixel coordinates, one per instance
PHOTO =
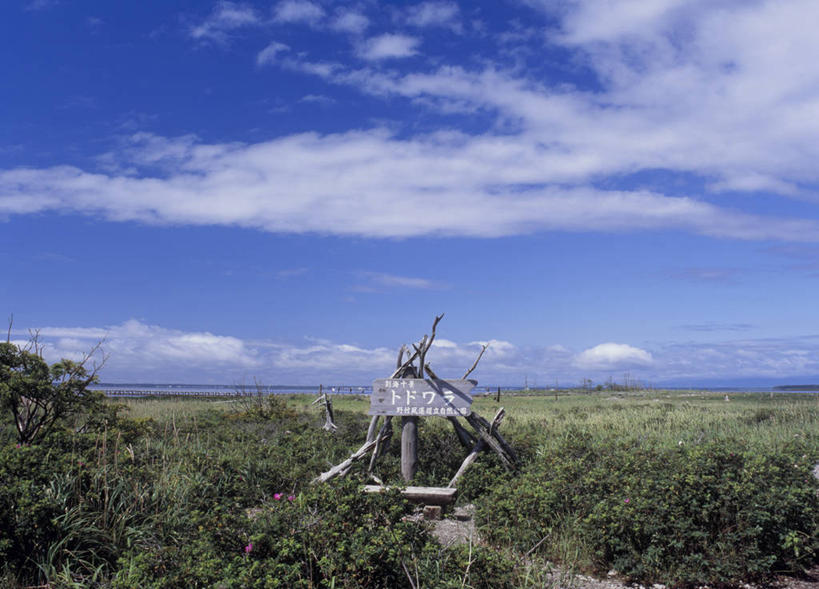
(704, 514)
(329, 535)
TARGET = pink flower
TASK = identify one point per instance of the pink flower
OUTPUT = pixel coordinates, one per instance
(249, 547)
(291, 497)
(18, 445)
(277, 496)
(627, 500)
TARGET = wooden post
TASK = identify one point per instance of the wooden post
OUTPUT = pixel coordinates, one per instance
(409, 447)
(497, 399)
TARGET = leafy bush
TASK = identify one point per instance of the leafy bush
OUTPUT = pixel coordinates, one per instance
(703, 514)
(38, 396)
(199, 496)
(328, 536)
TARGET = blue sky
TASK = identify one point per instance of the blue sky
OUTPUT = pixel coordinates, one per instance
(287, 191)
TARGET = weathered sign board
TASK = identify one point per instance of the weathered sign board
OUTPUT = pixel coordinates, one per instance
(422, 397)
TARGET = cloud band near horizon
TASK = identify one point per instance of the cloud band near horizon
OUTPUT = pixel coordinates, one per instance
(151, 353)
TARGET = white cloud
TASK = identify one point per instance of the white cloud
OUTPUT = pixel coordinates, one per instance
(772, 358)
(389, 46)
(724, 94)
(317, 99)
(365, 183)
(226, 17)
(294, 11)
(350, 21)
(268, 55)
(429, 14)
(35, 5)
(611, 356)
(378, 279)
(139, 352)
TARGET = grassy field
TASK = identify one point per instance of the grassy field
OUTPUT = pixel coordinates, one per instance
(681, 488)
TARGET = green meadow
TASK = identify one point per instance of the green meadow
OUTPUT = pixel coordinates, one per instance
(682, 488)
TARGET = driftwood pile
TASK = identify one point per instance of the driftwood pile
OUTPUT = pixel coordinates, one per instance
(412, 363)
(329, 417)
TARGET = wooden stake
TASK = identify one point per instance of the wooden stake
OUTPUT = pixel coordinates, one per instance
(373, 425)
(467, 440)
(479, 447)
(471, 457)
(409, 447)
(384, 435)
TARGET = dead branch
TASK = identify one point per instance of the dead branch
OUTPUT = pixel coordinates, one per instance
(408, 364)
(478, 359)
(385, 433)
(329, 418)
(344, 467)
(371, 428)
(421, 348)
(470, 458)
(478, 448)
(426, 344)
(494, 440)
(467, 440)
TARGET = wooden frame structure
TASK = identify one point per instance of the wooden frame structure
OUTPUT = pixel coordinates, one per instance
(412, 364)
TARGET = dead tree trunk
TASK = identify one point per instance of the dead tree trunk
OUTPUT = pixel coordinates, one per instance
(329, 419)
(409, 447)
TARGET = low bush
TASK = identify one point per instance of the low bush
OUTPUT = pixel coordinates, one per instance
(709, 513)
(215, 495)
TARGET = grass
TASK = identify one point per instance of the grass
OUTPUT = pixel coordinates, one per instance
(165, 496)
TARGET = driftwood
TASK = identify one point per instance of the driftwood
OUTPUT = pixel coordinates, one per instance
(478, 359)
(486, 435)
(479, 446)
(344, 467)
(425, 495)
(329, 419)
(409, 447)
(466, 439)
(470, 458)
(494, 440)
(384, 434)
(373, 425)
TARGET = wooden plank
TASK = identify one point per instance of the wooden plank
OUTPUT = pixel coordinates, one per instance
(426, 495)
(431, 397)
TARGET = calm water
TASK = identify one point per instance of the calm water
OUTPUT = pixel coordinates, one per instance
(194, 390)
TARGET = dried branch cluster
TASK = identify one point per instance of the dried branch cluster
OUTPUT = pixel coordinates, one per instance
(411, 363)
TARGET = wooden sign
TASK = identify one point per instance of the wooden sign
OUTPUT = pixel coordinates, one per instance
(421, 397)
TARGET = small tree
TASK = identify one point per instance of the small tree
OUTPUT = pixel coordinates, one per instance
(38, 395)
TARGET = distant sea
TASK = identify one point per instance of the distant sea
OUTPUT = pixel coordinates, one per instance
(212, 390)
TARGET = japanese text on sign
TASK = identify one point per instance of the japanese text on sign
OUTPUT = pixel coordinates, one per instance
(415, 396)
